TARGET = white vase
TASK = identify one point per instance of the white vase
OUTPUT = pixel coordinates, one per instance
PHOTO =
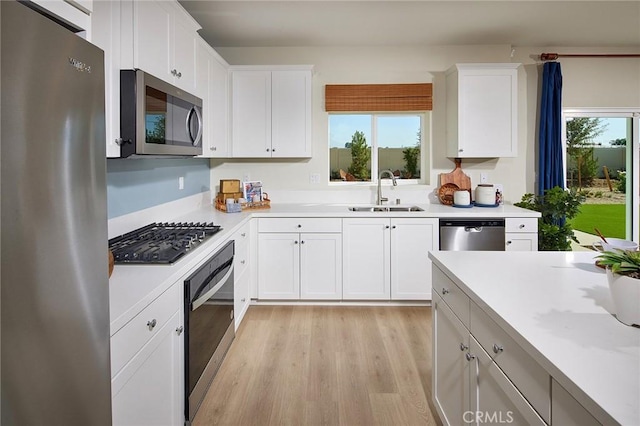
(625, 292)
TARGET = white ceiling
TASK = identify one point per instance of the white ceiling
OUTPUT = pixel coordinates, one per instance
(422, 22)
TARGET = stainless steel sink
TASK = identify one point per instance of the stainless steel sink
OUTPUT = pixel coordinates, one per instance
(386, 209)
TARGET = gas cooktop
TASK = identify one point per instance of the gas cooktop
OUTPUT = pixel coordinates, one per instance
(160, 242)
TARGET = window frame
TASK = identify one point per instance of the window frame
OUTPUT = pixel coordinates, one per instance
(632, 205)
(424, 155)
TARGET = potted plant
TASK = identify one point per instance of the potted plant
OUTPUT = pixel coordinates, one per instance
(623, 275)
(557, 207)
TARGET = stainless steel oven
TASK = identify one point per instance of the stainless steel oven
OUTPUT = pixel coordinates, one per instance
(209, 325)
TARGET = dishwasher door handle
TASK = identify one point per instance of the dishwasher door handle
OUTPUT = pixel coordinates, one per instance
(473, 229)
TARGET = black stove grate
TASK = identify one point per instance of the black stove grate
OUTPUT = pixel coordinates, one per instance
(160, 242)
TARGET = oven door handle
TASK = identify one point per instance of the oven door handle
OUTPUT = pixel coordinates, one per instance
(200, 300)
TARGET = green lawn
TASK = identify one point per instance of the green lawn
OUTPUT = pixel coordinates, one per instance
(608, 218)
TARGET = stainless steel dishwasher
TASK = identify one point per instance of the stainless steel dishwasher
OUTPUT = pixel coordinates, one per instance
(466, 234)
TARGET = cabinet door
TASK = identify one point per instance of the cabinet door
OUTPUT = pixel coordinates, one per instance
(494, 399)
(291, 114)
(219, 108)
(152, 39)
(521, 242)
(450, 366)
(251, 114)
(411, 240)
(278, 266)
(566, 411)
(482, 117)
(365, 245)
(183, 50)
(150, 389)
(321, 266)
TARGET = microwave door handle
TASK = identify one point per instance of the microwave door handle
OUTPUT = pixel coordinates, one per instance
(194, 141)
(200, 300)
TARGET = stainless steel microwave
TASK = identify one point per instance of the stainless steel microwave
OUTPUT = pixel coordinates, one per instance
(157, 119)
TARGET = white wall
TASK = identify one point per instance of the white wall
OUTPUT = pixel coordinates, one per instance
(288, 180)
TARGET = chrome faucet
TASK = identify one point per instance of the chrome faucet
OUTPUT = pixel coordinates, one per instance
(380, 197)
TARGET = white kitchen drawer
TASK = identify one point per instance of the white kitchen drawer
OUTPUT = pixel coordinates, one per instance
(133, 336)
(525, 373)
(452, 295)
(241, 236)
(310, 224)
(521, 224)
(241, 258)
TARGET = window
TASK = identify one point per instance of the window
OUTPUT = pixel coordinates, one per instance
(362, 143)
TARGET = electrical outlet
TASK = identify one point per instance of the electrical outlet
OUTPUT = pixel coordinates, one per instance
(181, 182)
(484, 178)
(314, 178)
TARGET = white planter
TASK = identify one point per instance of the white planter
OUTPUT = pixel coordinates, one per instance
(625, 292)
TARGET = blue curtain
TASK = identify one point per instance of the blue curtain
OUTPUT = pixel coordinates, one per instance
(550, 166)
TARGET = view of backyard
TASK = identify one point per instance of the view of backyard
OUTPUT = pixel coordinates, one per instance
(596, 162)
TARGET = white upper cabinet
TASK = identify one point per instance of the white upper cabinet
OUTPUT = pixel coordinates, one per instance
(271, 112)
(76, 13)
(482, 113)
(212, 85)
(164, 42)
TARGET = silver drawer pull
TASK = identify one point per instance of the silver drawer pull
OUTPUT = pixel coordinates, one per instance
(463, 347)
(445, 291)
(497, 349)
(521, 226)
(243, 299)
(244, 234)
(469, 356)
(152, 324)
(243, 261)
(179, 330)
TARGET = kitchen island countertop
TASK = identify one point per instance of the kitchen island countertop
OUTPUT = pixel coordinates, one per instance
(557, 306)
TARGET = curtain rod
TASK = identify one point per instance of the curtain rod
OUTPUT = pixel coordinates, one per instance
(554, 56)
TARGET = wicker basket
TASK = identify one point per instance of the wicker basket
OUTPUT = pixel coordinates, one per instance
(264, 204)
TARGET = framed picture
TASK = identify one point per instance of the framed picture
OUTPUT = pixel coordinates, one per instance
(252, 191)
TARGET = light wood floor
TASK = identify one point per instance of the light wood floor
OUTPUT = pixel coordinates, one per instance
(319, 365)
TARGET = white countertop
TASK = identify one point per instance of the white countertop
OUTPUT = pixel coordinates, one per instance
(132, 287)
(557, 306)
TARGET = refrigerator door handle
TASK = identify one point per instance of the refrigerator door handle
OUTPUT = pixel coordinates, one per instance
(194, 141)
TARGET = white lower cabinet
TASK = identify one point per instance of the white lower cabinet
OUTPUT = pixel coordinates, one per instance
(480, 376)
(147, 364)
(149, 390)
(521, 234)
(299, 265)
(386, 258)
(242, 272)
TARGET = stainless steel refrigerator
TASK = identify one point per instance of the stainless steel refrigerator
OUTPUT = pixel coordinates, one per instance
(54, 269)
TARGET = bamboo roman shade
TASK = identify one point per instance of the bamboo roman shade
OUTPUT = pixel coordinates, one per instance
(378, 97)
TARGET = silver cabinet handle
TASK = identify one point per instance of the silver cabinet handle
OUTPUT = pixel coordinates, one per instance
(521, 226)
(179, 330)
(445, 291)
(386, 227)
(461, 150)
(268, 149)
(212, 148)
(243, 261)
(508, 242)
(244, 234)
(243, 299)
(497, 349)
(174, 72)
(469, 356)
(273, 150)
(152, 324)
(302, 242)
(463, 347)
(393, 227)
(179, 74)
(295, 242)
(299, 226)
